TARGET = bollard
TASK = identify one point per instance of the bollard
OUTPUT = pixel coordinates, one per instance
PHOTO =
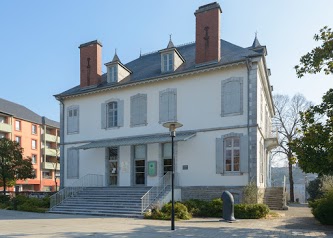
(228, 206)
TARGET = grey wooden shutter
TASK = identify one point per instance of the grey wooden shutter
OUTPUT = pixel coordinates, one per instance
(76, 163)
(163, 106)
(244, 155)
(145, 107)
(120, 113)
(71, 163)
(134, 110)
(69, 122)
(219, 156)
(103, 115)
(172, 105)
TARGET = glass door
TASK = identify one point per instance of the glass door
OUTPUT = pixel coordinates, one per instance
(113, 166)
(139, 164)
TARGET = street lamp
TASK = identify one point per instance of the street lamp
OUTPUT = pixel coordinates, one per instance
(172, 128)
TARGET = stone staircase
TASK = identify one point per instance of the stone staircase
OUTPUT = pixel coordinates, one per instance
(104, 201)
(274, 198)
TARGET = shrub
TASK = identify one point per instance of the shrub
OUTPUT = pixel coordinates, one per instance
(181, 212)
(322, 208)
(314, 190)
(326, 183)
(251, 211)
(250, 193)
(200, 208)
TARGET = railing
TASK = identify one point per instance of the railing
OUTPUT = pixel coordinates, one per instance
(89, 180)
(284, 191)
(156, 191)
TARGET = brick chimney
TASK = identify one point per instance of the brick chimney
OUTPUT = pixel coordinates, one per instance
(207, 41)
(90, 63)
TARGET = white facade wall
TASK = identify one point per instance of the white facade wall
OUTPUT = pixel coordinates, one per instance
(198, 108)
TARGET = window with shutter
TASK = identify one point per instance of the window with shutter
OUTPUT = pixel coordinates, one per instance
(231, 153)
(232, 97)
(72, 164)
(139, 110)
(112, 114)
(168, 105)
(73, 119)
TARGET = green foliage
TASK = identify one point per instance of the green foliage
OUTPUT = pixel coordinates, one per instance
(251, 211)
(250, 193)
(181, 212)
(320, 58)
(322, 208)
(314, 148)
(313, 189)
(23, 203)
(12, 164)
(200, 208)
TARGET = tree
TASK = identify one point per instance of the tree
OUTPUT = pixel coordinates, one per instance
(320, 58)
(286, 120)
(314, 149)
(12, 164)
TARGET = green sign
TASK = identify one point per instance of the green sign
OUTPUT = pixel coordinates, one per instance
(152, 168)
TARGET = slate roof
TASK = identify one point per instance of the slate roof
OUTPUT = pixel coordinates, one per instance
(149, 66)
(21, 112)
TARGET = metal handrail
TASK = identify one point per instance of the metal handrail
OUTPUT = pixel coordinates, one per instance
(89, 180)
(155, 191)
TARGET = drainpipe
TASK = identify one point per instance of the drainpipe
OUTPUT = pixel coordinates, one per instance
(248, 66)
(62, 142)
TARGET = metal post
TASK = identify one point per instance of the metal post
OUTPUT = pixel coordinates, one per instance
(173, 134)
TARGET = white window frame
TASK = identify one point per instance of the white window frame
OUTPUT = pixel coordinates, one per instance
(233, 153)
(113, 73)
(168, 62)
(34, 129)
(33, 144)
(34, 159)
(17, 125)
(112, 114)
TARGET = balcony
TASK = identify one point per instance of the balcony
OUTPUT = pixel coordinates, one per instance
(5, 127)
(271, 142)
(49, 165)
(52, 138)
(50, 152)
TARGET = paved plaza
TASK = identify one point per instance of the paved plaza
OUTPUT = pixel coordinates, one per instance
(296, 222)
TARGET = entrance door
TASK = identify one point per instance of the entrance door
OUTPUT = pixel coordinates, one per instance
(140, 164)
(113, 166)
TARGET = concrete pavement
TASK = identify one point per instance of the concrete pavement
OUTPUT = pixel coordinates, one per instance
(296, 222)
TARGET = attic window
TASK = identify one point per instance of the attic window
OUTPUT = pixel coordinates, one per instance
(113, 73)
(167, 62)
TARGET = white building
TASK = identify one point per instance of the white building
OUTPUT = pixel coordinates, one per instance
(220, 92)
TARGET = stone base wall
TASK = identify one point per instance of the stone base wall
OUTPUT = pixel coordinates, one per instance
(210, 192)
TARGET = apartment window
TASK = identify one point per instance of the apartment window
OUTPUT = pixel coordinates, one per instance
(33, 144)
(34, 173)
(73, 119)
(167, 62)
(34, 129)
(232, 153)
(112, 114)
(17, 125)
(47, 175)
(168, 105)
(18, 139)
(139, 110)
(113, 73)
(72, 164)
(167, 157)
(34, 159)
(2, 135)
(232, 97)
(2, 119)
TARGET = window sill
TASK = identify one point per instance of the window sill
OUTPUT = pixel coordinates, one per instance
(112, 128)
(71, 133)
(232, 114)
(227, 173)
(139, 125)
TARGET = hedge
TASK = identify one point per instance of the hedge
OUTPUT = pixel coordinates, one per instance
(322, 208)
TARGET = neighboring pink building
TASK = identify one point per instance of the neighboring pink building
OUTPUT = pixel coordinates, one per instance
(39, 138)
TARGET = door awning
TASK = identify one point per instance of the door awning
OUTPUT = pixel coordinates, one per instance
(138, 140)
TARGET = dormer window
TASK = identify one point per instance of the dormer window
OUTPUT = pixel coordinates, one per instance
(113, 73)
(171, 59)
(168, 62)
(116, 70)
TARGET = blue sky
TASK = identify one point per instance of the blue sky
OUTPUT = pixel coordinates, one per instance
(39, 40)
